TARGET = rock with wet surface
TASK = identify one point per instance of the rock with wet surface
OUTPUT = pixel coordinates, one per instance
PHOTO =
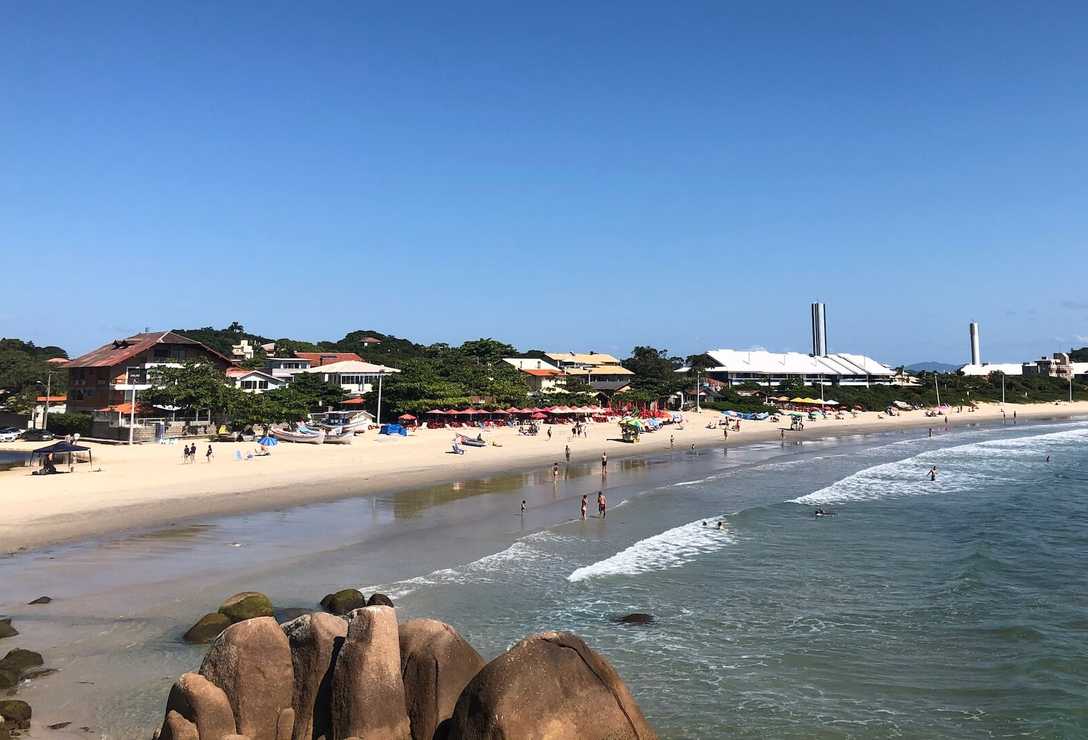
(6, 630)
(246, 605)
(436, 665)
(16, 713)
(207, 628)
(343, 601)
(635, 618)
(41, 600)
(19, 661)
(550, 685)
(380, 600)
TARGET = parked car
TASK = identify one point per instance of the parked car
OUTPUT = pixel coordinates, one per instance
(38, 435)
(7, 430)
(9, 436)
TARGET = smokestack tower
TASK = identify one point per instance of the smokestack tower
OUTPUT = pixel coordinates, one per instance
(819, 330)
(976, 355)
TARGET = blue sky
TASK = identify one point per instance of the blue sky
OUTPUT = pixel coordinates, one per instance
(568, 176)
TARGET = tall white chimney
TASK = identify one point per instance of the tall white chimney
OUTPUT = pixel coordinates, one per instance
(819, 330)
(976, 355)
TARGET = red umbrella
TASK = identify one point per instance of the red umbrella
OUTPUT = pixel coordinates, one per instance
(436, 411)
(499, 412)
(407, 417)
(540, 415)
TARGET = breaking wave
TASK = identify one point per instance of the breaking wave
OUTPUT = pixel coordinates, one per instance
(670, 549)
(960, 468)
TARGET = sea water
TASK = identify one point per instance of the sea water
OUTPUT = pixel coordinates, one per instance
(948, 608)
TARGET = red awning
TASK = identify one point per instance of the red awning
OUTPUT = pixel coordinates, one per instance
(358, 401)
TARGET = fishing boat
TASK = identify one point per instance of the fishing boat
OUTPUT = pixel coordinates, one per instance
(351, 422)
(338, 436)
(471, 441)
(304, 437)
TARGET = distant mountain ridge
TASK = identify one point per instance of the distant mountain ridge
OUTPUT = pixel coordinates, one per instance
(933, 367)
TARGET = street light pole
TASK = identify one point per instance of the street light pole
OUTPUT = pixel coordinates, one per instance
(48, 393)
(378, 418)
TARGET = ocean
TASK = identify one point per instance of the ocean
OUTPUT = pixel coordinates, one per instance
(950, 608)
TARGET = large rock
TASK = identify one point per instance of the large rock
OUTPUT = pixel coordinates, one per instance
(246, 605)
(20, 661)
(315, 641)
(4, 734)
(367, 689)
(379, 600)
(436, 664)
(635, 618)
(207, 628)
(343, 601)
(251, 662)
(16, 713)
(203, 704)
(6, 630)
(8, 679)
(549, 685)
(176, 727)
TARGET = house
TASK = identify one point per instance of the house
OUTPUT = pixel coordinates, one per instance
(285, 367)
(602, 372)
(541, 376)
(1058, 365)
(317, 359)
(93, 378)
(56, 404)
(354, 376)
(254, 381)
(243, 350)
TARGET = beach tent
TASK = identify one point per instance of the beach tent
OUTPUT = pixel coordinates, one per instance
(539, 415)
(63, 447)
(392, 429)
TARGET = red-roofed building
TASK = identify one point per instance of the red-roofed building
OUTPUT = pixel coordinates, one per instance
(317, 359)
(93, 377)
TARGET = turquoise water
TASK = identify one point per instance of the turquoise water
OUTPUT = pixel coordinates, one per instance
(955, 608)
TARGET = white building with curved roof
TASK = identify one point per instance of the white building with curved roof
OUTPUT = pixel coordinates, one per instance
(736, 367)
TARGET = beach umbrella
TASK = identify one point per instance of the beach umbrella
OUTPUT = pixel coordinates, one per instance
(539, 415)
(434, 411)
(499, 412)
(268, 441)
(407, 417)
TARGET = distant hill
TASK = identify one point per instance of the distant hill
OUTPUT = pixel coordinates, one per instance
(933, 367)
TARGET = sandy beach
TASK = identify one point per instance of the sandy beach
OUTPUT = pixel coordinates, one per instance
(149, 485)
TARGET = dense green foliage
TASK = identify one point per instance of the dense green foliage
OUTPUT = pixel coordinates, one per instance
(62, 424)
(1079, 355)
(23, 364)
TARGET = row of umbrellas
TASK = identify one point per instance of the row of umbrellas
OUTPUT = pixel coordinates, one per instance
(513, 411)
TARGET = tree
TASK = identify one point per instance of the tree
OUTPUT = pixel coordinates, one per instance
(316, 394)
(193, 387)
(487, 350)
(697, 367)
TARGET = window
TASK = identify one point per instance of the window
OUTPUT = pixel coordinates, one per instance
(254, 385)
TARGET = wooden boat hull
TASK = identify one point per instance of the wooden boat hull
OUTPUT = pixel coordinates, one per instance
(286, 436)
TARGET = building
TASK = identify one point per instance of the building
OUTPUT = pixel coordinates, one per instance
(56, 404)
(93, 378)
(1058, 365)
(602, 372)
(243, 350)
(284, 367)
(1006, 368)
(354, 376)
(254, 381)
(736, 367)
(541, 376)
(317, 359)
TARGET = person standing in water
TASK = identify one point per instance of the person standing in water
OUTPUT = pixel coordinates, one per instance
(555, 470)
(602, 505)
(523, 506)
(585, 506)
(567, 452)
(604, 462)
(672, 441)
(933, 473)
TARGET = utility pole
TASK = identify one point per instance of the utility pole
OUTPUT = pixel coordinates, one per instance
(48, 393)
(378, 418)
(938, 389)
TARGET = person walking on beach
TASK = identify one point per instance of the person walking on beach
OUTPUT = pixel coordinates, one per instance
(555, 470)
(567, 452)
(933, 473)
(602, 505)
(672, 441)
(604, 462)
(209, 454)
(185, 454)
(549, 432)
(523, 506)
(585, 506)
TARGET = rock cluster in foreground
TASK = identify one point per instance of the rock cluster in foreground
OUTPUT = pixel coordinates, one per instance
(365, 676)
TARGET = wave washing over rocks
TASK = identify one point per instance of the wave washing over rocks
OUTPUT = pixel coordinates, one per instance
(672, 548)
(960, 468)
(365, 676)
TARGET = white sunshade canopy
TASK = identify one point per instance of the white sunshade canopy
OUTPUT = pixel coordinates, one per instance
(352, 367)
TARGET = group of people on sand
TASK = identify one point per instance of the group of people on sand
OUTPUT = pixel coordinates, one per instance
(190, 453)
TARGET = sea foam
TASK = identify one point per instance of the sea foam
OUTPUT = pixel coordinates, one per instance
(672, 548)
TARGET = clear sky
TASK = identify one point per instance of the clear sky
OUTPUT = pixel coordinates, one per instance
(573, 176)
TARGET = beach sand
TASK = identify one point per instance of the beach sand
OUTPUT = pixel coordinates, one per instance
(149, 485)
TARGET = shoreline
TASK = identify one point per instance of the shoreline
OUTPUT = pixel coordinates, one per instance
(132, 493)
